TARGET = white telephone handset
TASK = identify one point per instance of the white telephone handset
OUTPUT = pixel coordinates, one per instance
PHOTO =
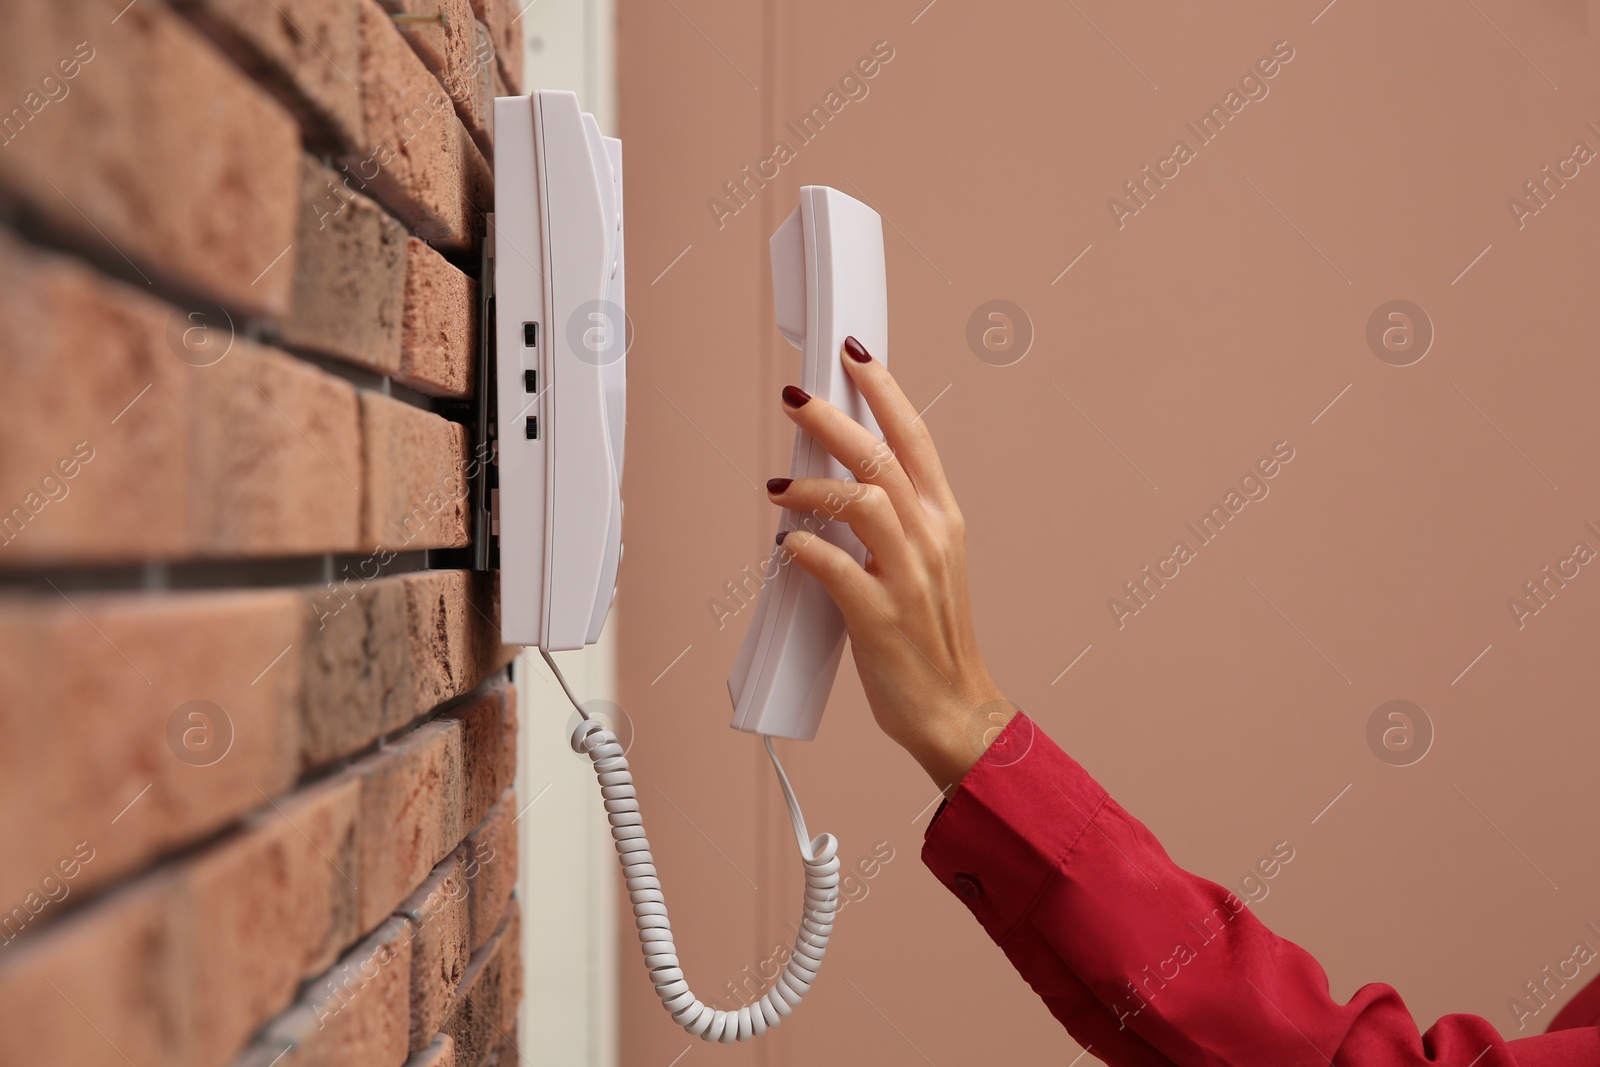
(828, 283)
(553, 277)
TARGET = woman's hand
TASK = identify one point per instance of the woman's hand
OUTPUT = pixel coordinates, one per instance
(906, 611)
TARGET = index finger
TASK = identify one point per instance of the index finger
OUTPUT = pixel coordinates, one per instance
(903, 429)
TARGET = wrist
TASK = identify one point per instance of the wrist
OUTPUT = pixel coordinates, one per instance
(949, 744)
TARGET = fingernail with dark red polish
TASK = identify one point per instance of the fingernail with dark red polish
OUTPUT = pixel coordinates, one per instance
(779, 485)
(781, 535)
(795, 396)
(856, 350)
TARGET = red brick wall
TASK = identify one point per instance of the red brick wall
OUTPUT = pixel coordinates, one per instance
(257, 731)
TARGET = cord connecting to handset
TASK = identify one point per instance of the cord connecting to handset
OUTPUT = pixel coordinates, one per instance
(820, 856)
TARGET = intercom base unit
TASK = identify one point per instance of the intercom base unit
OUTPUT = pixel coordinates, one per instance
(560, 333)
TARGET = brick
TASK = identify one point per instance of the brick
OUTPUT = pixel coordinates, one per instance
(121, 963)
(350, 274)
(441, 1052)
(280, 896)
(506, 37)
(507, 1054)
(419, 160)
(254, 454)
(454, 640)
(307, 53)
(440, 950)
(93, 740)
(191, 175)
(484, 1015)
(381, 652)
(488, 750)
(439, 340)
(357, 1013)
(491, 870)
(359, 679)
(276, 460)
(416, 480)
(450, 48)
(410, 814)
(77, 351)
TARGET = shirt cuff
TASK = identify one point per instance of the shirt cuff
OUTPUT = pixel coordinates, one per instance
(1006, 830)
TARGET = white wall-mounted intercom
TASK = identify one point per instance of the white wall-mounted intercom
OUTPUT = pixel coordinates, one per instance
(560, 333)
(553, 287)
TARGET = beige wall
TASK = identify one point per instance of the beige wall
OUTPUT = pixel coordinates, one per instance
(1221, 319)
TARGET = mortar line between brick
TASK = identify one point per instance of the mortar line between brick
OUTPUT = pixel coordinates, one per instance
(235, 573)
(97, 229)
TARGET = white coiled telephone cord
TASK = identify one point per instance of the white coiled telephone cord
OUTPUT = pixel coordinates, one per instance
(820, 856)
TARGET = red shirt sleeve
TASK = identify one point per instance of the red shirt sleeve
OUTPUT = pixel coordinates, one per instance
(1145, 963)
